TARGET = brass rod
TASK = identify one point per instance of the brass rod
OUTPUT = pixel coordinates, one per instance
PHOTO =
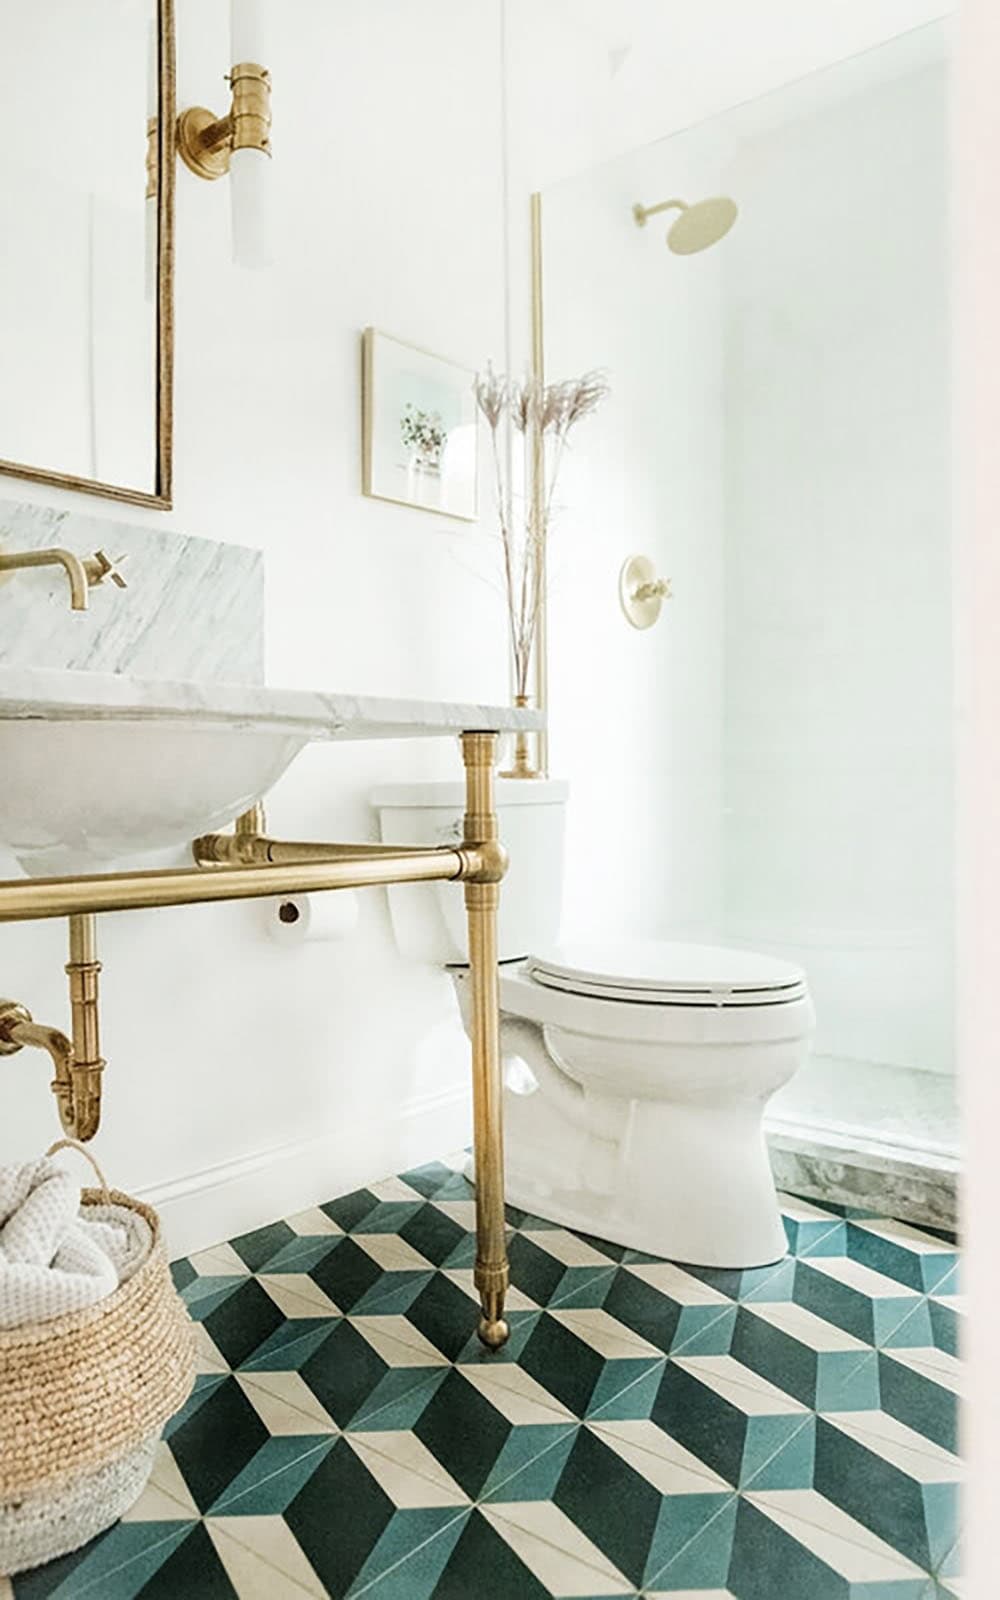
(249, 849)
(538, 487)
(80, 1098)
(25, 899)
(481, 900)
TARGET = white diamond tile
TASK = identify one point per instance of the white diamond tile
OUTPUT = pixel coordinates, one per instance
(744, 1389)
(220, 1261)
(659, 1459)
(918, 1457)
(395, 1189)
(392, 1253)
(166, 1497)
(285, 1403)
(567, 1248)
(561, 1557)
(515, 1394)
(296, 1295)
(860, 1557)
(398, 1342)
(313, 1224)
(677, 1284)
(804, 1326)
(604, 1333)
(405, 1469)
(263, 1559)
(937, 1365)
(865, 1280)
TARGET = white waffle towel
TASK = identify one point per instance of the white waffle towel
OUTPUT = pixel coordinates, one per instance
(53, 1258)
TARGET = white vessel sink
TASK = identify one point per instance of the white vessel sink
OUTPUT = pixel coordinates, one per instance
(97, 770)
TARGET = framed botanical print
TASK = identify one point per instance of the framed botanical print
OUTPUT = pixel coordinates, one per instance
(420, 429)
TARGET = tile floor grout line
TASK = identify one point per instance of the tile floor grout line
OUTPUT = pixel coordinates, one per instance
(279, 1572)
(658, 1574)
(180, 1528)
(463, 1511)
(327, 1442)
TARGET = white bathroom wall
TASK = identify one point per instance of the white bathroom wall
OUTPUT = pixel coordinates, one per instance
(243, 1079)
(839, 702)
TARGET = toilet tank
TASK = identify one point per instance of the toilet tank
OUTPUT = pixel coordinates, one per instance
(429, 919)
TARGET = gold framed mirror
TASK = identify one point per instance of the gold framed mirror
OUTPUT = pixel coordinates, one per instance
(87, 133)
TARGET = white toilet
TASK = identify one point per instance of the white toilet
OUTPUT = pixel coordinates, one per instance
(636, 1073)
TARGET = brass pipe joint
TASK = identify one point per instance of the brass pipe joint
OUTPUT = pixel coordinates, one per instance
(77, 1061)
(205, 142)
(485, 863)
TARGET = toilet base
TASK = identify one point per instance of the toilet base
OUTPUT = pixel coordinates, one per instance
(691, 1188)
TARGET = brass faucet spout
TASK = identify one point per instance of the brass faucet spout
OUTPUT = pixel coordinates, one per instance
(83, 575)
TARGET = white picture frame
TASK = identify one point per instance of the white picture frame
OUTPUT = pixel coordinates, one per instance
(420, 429)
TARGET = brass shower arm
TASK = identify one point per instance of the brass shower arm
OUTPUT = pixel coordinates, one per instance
(643, 213)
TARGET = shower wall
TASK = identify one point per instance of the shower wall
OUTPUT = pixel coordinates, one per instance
(772, 764)
(838, 713)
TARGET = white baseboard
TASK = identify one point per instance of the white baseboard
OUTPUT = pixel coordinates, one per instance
(204, 1208)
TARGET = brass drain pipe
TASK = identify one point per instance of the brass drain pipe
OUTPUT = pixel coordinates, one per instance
(77, 1061)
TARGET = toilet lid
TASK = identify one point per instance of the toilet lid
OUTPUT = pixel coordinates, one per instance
(669, 974)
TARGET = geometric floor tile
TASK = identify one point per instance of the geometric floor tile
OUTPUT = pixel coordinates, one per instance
(650, 1430)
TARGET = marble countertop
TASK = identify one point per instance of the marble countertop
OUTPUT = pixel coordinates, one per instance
(53, 694)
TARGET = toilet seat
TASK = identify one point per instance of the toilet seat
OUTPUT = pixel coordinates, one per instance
(662, 974)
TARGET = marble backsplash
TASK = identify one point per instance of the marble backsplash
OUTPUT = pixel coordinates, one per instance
(193, 609)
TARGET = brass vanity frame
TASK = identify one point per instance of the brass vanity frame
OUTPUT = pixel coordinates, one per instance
(280, 869)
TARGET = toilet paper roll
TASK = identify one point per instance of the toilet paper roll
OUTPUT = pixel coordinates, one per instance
(303, 918)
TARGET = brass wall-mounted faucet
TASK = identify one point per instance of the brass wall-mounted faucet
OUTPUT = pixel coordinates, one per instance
(84, 573)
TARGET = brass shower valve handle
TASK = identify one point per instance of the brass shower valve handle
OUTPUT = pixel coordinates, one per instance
(642, 591)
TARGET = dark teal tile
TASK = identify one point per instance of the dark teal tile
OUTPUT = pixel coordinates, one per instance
(213, 1446)
(946, 1327)
(816, 1236)
(394, 1293)
(482, 1562)
(114, 1566)
(444, 1314)
(350, 1210)
(192, 1568)
(269, 1483)
(790, 1465)
(398, 1400)
(430, 1179)
(203, 1295)
(562, 1364)
(411, 1554)
(903, 1317)
(533, 1270)
(244, 1320)
(846, 1380)
(918, 1519)
(583, 1287)
(692, 1543)
(921, 1270)
(436, 1235)
(626, 1390)
(767, 1563)
(916, 1400)
(464, 1432)
(302, 1253)
(704, 1331)
(652, 1315)
(388, 1216)
(346, 1273)
(257, 1248)
(182, 1273)
(338, 1517)
(343, 1371)
(205, 1385)
(530, 1462)
(616, 1508)
(290, 1346)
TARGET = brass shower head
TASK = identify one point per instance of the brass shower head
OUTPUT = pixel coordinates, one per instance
(698, 227)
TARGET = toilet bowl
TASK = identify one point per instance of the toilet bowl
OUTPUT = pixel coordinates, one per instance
(636, 1073)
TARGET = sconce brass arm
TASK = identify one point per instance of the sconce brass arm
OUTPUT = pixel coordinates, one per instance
(205, 142)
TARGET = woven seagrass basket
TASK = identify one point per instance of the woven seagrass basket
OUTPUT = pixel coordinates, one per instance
(83, 1400)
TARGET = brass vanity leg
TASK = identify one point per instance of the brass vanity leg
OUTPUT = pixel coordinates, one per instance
(482, 893)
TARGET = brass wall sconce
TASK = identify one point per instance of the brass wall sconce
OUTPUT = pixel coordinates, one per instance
(641, 592)
(238, 143)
